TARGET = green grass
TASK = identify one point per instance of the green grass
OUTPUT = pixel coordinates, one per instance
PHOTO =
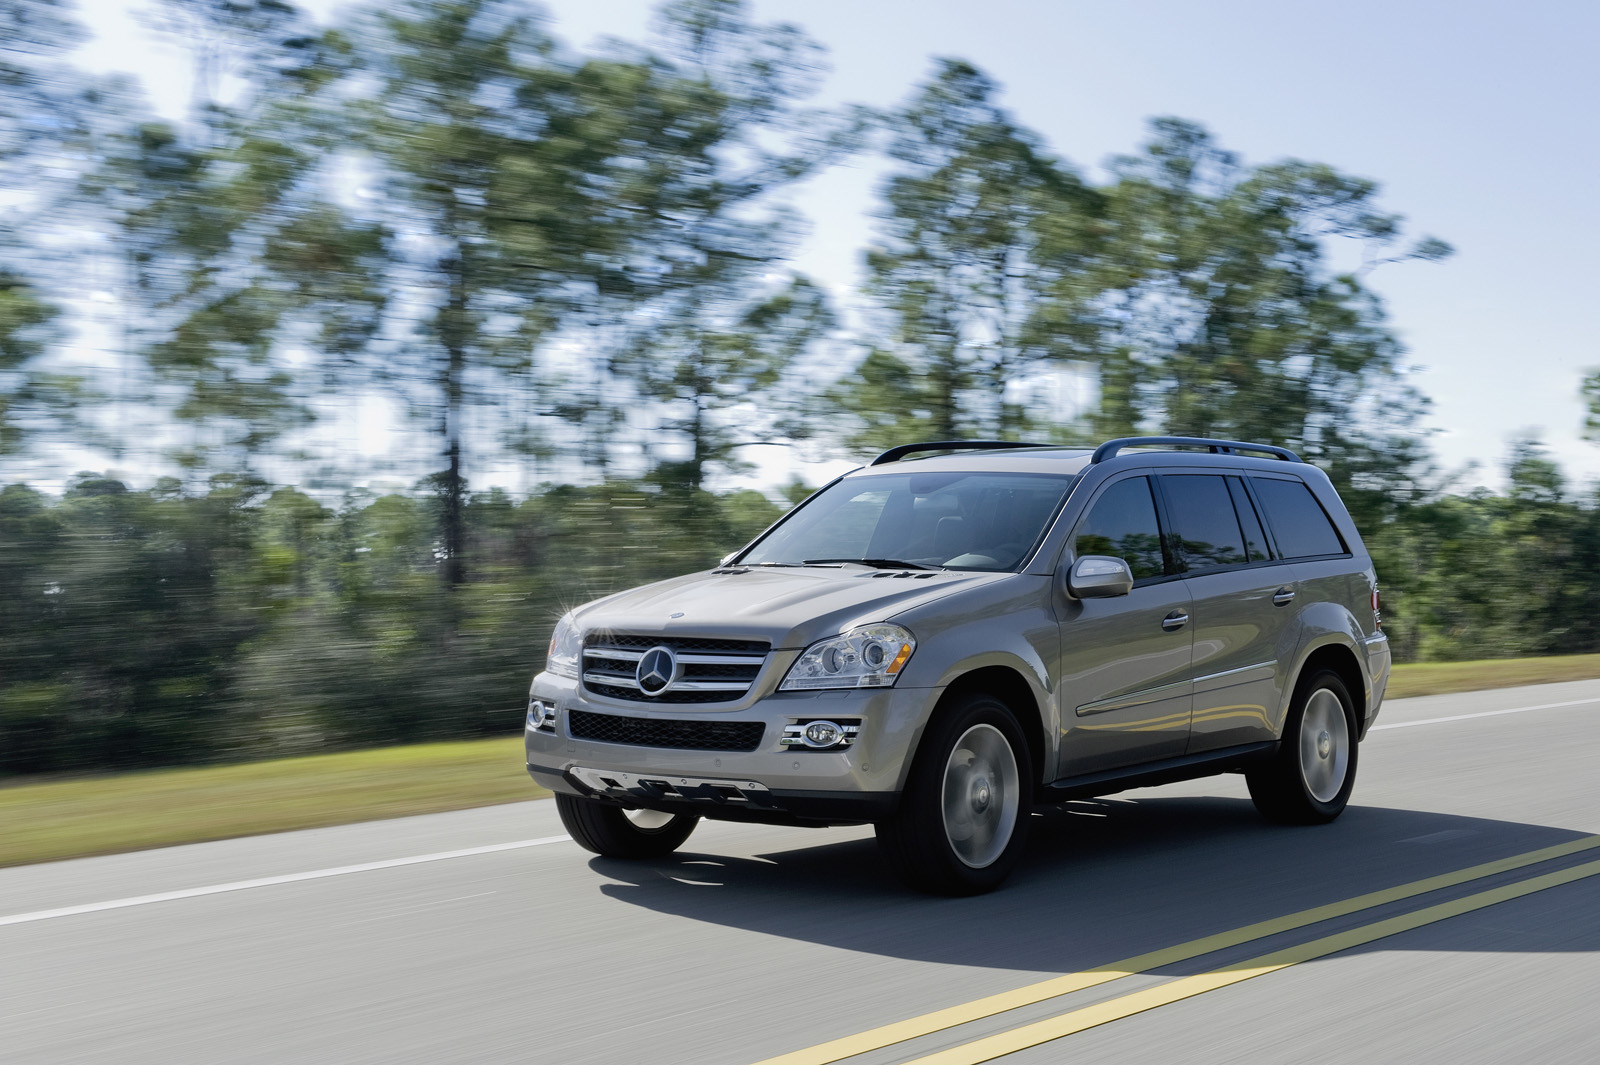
(69, 817)
(1442, 678)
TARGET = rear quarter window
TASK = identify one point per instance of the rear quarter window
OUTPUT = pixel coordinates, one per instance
(1300, 526)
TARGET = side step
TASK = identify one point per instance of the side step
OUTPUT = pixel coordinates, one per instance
(1166, 771)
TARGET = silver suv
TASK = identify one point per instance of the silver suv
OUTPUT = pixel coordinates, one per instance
(936, 644)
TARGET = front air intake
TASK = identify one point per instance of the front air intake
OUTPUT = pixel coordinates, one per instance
(684, 735)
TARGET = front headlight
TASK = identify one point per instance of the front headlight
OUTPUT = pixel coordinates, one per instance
(871, 656)
(566, 650)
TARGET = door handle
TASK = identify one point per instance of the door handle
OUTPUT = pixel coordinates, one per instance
(1283, 596)
(1175, 621)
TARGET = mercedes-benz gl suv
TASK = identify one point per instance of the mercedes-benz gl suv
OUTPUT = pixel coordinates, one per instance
(942, 640)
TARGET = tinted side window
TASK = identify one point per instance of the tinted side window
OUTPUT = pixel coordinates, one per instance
(1298, 521)
(1255, 540)
(1203, 517)
(1122, 523)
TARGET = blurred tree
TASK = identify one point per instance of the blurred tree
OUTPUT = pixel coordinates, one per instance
(38, 97)
(256, 42)
(40, 125)
(722, 373)
(25, 321)
(121, 624)
(488, 171)
(1221, 316)
(235, 261)
(1489, 576)
(983, 235)
(717, 135)
(1590, 391)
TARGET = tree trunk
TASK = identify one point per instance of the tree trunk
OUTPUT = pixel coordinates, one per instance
(453, 335)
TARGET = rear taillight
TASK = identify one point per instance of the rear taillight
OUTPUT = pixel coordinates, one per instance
(1377, 608)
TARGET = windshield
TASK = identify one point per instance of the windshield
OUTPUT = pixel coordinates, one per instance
(983, 521)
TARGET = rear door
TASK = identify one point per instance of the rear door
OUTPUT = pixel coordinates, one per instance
(1244, 635)
(1125, 670)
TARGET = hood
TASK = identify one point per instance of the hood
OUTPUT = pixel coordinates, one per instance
(790, 607)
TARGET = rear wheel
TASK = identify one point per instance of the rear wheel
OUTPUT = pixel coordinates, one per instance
(1309, 781)
(963, 819)
(617, 833)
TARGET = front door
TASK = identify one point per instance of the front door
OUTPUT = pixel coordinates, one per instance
(1126, 673)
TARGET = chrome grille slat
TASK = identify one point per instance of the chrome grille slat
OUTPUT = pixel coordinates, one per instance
(614, 653)
(613, 679)
(722, 660)
(709, 670)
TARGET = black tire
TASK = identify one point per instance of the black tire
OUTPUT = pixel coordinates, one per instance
(1305, 783)
(607, 830)
(966, 748)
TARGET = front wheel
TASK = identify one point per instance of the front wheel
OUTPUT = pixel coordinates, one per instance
(1309, 781)
(962, 822)
(614, 832)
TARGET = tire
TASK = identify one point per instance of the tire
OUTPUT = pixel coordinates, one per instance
(614, 832)
(1308, 782)
(962, 822)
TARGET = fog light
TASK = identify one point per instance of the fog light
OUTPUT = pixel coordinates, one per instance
(540, 715)
(823, 734)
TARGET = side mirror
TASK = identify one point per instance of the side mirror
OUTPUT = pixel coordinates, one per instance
(1099, 577)
(726, 559)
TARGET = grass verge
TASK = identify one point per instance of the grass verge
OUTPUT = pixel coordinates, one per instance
(1444, 678)
(73, 817)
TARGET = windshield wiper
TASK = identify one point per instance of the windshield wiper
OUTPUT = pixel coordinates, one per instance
(875, 563)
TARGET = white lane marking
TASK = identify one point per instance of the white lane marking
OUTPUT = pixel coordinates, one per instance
(1486, 713)
(269, 881)
(393, 863)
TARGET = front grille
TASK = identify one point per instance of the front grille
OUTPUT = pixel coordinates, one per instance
(664, 732)
(682, 643)
(708, 670)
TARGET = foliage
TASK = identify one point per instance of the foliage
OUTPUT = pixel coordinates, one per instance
(983, 233)
(159, 627)
(575, 266)
(1222, 317)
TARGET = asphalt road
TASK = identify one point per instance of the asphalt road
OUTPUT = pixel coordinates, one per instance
(427, 939)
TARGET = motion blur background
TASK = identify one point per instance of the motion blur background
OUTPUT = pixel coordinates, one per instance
(334, 369)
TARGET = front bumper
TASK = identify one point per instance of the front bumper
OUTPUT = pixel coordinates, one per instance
(773, 783)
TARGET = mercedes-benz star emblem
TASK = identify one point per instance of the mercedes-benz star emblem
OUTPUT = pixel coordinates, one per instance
(656, 670)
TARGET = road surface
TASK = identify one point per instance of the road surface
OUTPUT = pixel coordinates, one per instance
(1455, 918)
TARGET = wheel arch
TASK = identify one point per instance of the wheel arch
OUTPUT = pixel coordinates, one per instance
(1012, 688)
(1341, 660)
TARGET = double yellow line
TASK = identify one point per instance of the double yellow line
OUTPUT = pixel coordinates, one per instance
(990, 1047)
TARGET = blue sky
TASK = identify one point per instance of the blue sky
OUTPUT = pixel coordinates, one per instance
(1478, 119)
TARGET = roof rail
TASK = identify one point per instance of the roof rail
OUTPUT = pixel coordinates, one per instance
(1110, 448)
(895, 454)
